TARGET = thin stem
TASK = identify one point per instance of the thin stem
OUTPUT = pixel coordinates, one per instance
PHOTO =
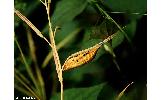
(57, 62)
(109, 18)
(55, 53)
(42, 2)
(62, 95)
(31, 25)
(122, 93)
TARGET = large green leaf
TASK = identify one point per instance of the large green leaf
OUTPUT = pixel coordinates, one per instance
(77, 74)
(90, 93)
(67, 10)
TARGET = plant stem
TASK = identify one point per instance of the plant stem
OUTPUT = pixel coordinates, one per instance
(55, 53)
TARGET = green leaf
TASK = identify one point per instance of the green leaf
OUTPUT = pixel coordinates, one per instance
(135, 8)
(67, 10)
(131, 6)
(66, 30)
(90, 93)
(92, 68)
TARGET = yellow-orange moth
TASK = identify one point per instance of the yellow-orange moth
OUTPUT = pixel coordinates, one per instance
(83, 56)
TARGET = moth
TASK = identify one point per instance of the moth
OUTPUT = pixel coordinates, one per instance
(84, 56)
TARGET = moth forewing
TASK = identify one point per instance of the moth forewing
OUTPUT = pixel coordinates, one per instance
(84, 56)
(81, 57)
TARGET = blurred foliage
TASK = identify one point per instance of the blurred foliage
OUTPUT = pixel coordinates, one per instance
(90, 93)
(82, 25)
(133, 6)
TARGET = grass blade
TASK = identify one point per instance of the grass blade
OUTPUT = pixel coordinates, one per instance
(122, 93)
(109, 49)
(34, 58)
(30, 24)
(28, 69)
(22, 76)
(26, 86)
(21, 89)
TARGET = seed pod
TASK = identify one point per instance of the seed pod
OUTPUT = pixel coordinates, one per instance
(84, 56)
